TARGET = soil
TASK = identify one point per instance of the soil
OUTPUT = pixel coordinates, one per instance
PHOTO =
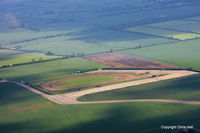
(119, 77)
(116, 60)
(71, 98)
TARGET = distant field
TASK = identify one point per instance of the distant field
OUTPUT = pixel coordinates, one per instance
(9, 57)
(186, 88)
(21, 34)
(64, 45)
(154, 31)
(91, 42)
(164, 32)
(185, 54)
(41, 72)
(186, 36)
(194, 18)
(24, 111)
(182, 25)
(85, 81)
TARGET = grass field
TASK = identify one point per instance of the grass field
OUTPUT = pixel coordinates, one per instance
(85, 81)
(91, 42)
(40, 72)
(20, 34)
(184, 54)
(164, 32)
(9, 57)
(182, 25)
(153, 31)
(23, 111)
(186, 88)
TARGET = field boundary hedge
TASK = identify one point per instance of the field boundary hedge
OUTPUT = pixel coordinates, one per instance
(188, 69)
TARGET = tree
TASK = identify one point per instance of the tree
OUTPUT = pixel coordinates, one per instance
(33, 60)
(49, 53)
(40, 59)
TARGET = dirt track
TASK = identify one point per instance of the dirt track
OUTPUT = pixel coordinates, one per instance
(116, 60)
(71, 98)
(51, 86)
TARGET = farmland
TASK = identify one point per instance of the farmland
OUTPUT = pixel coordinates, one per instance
(116, 60)
(170, 34)
(143, 46)
(9, 57)
(85, 81)
(91, 42)
(186, 56)
(180, 25)
(40, 72)
(186, 88)
(39, 115)
(98, 78)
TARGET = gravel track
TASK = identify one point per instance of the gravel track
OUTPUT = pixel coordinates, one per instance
(71, 98)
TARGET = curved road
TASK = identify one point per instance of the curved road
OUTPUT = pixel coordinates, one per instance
(71, 98)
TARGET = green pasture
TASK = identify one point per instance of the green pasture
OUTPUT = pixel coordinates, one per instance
(154, 31)
(92, 42)
(24, 111)
(10, 58)
(64, 45)
(45, 71)
(185, 88)
(182, 25)
(194, 18)
(185, 53)
(21, 34)
(85, 81)
(164, 32)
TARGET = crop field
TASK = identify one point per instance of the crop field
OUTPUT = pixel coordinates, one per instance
(185, 88)
(186, 56)
(40, 72)
(9, 57)
(62, 46)
(26, 109)
(130, 39)
(116, 60)
(22, 34)
(194, 18)
(91, 42)
(164, 32)
(180, 25)
(154, 31)
(186, 36)
(124, 44)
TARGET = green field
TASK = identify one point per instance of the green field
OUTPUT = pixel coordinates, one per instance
(182, 25)
(85, 81)
(45, 71)
(23, 111)
(20, 34)
(164, 32)
(8, 57)
(91, 42)
(185, 54)
(153, 31)
(186, 88)
(186, 36)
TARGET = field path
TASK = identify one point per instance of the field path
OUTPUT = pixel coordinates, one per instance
(71, 98)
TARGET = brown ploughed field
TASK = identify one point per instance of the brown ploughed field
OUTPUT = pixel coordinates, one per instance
(116, 60)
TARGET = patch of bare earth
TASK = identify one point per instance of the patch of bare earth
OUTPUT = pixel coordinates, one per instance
(118, 77)
(37, 106)
(116, 60)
